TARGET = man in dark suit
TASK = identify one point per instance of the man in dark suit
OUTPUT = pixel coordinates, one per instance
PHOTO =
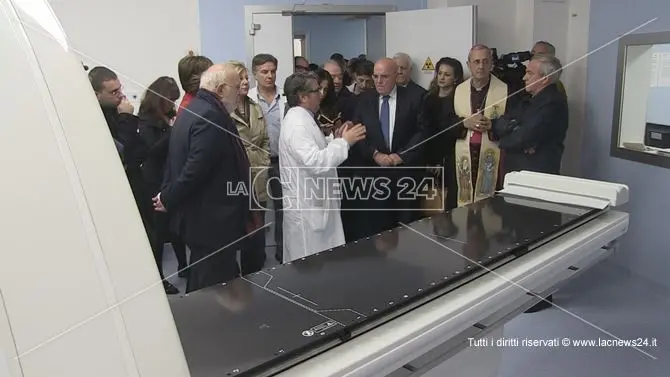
(532, 137)
(118, 112)
(391, 115)
(123, 126)
(405, 66)
(345, 105)
(343, 94)
(206, 160)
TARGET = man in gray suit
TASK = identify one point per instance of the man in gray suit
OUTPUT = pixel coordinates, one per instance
(532, 137)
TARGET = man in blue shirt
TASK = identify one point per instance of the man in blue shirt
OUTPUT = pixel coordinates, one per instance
(269, 96)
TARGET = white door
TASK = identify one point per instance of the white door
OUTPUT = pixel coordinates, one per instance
(274, 35)
(430, 34)
(375, 37)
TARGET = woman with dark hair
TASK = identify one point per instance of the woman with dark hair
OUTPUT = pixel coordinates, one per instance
(441, 119)
(329, 117)
(190, 68)
(156, 114)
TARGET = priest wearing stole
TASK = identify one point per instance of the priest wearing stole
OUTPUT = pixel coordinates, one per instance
(479, 101)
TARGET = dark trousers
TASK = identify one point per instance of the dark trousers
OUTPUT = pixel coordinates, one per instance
(351, 208)
(350, 213)
(252, 254)
(211, 265)
(142, 199)
(276, 193)
(160, 235)
(397, 205)
(450, 182)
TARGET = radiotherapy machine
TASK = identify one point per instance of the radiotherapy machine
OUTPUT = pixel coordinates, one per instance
(80, 295)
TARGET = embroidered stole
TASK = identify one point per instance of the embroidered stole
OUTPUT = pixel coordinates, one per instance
(489, 153)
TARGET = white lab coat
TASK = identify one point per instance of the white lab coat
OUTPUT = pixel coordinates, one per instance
(308, 159)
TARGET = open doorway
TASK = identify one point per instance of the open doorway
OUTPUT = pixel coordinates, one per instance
(300, 44)
(318, 31)
(349, 35)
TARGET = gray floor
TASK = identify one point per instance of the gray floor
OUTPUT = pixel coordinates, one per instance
(607, 297)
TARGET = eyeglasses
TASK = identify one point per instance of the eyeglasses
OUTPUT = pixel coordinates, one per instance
(310, 91)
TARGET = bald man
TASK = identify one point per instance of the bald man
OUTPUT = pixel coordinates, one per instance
(391, 115)
(206, 158)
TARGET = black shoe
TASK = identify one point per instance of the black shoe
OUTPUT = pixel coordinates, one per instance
(169, 288)
(544, 304)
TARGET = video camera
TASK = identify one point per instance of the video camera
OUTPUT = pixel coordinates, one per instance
(509, 68)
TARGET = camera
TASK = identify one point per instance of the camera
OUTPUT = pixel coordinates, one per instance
(509, 68)
(514, 57)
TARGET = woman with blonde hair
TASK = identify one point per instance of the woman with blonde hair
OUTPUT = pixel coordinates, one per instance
(248, 117)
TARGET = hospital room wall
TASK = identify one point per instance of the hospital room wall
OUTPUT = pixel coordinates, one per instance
(126, 34)
(646, 248)
(222, 22)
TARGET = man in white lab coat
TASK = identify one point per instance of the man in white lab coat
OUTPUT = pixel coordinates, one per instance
(308, 161)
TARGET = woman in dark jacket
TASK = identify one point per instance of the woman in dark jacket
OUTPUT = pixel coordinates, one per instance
(156, 113)
(441, 118)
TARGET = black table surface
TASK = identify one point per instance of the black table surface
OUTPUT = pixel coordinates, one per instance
(257, 322)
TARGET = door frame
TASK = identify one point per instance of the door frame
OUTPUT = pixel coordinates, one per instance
(305, 46)
(301, 10)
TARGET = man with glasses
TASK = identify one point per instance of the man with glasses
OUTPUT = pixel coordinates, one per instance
(308, 165)
(123, 126)
(301, 64)
(206, 166)
(116, 108)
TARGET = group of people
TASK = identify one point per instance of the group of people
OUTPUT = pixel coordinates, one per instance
(204, 173)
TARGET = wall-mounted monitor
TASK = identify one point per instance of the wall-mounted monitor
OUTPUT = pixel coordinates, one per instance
(641, 122)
